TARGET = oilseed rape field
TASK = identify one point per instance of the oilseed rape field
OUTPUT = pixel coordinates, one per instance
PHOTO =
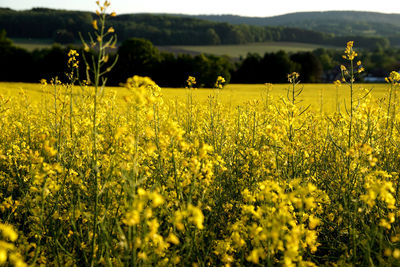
(320, 97)
(263, 175)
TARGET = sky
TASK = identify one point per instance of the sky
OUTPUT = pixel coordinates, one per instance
(257, 8)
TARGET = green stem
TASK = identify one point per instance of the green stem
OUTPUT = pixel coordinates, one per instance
(94, 152)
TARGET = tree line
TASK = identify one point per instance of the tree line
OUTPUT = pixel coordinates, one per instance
(140, 57)
(63, 27)
(339, 23)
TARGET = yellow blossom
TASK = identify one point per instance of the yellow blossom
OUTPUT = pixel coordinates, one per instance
(172, 238)
(94, 24)
(396, 253)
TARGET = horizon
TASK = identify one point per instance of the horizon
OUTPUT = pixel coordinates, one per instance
(208, 14)
(252, 8)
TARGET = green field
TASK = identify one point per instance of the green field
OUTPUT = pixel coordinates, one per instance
(316, 95)
(242, 50)
(32, 44)
(230, 50)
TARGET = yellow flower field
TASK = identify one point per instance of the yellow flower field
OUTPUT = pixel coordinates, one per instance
(232, 94)
(246, 175)
(193, 176)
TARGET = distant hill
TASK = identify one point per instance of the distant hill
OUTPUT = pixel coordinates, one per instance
(63, 26)
(336, 22)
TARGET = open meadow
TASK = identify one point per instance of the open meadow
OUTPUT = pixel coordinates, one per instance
(32, 44)
(241, 50)
(234, 51)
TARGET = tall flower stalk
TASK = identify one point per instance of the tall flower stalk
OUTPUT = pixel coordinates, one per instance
(348, 76)
(96, 68)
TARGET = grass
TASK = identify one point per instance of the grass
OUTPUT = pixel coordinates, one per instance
(232, 94)
(242, 50)
(32, 44)
(235, 51)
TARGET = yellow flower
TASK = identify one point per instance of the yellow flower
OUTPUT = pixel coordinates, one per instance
(191, 81)
(254, 256)
(384, 224)
(349, 53)
(396, 253)
(94, 24)
(157, 199)
(220, 82)
(394, 77)
(142, 255)
(72, 53)
(313, 222)
(293, 77)
(172, 238)
(350, 44)
(141, 192)
(391, 217)
(132, 218)
(3, 256)
(197, 216)
(86, 48)
(8, 232)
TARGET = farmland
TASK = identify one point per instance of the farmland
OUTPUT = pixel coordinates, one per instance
(32, 44)
(236, 51)
(232, 95)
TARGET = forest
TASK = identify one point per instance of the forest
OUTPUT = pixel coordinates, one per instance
(139, 56)
(64, 26)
